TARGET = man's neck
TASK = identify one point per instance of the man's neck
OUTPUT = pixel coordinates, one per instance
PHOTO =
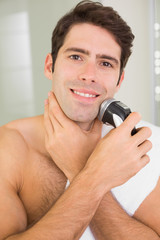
(85, 126)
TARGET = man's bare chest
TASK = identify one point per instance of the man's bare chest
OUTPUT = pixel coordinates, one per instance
(42, 186)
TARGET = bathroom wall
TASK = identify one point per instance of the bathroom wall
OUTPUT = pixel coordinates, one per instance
(25, 39)
(138, 87)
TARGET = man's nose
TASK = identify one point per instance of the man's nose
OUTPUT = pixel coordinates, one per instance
(88, 73)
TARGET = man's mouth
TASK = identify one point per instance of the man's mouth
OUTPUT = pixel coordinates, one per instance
(83, 94)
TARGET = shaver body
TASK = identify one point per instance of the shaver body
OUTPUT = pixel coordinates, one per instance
(114, 112)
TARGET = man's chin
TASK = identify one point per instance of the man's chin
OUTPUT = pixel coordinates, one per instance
(85, 118)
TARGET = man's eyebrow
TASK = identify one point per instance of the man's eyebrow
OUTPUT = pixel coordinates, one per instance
(79, 50)
(107, 57)
(102, 56)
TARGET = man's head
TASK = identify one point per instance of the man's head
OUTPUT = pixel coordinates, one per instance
(97, 14)
(90, 48)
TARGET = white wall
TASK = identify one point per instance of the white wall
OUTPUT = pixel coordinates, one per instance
(25, 39)
(137, 88)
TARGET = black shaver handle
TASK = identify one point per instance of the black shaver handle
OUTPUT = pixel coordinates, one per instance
(114, 112)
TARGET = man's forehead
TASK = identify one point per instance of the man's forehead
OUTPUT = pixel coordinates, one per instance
(87, 38)
(83, 31)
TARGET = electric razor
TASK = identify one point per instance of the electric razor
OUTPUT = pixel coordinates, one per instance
(114, 112)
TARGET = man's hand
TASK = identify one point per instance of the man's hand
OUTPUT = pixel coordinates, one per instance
(68, 145)
(119, 156)
(116, 158)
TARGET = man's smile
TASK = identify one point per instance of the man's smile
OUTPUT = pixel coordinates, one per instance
(85, 93)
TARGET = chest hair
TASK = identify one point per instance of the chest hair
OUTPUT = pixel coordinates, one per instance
(43, 184)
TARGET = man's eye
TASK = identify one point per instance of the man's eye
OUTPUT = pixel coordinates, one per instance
(106, 64)
(75, 57)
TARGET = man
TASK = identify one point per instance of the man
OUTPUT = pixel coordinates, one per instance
(91, 46)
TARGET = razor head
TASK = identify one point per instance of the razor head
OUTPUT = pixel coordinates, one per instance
(114, 112)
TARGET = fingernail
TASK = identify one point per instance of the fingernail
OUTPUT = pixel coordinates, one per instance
(46, 101)
(49, 93)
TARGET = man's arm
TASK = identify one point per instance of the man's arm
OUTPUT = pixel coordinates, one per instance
(149, 210)
(71, 214)
(105, 169)
(13, 217)
(107, 212)
(67, 219)
(111, 222)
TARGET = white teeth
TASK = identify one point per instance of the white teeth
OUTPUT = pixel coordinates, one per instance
(84, 94)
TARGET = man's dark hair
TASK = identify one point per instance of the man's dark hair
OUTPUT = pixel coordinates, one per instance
(97, 14)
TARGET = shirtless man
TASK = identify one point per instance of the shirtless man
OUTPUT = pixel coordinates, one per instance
(39, 154)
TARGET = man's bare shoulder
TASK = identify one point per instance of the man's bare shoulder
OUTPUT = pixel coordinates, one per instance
(22, 134)
(10, 139)
(17, 138)
(13, 152)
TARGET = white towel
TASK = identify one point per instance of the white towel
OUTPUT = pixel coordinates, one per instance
(131, 194)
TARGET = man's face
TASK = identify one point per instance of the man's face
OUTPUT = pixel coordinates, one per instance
(86, 71)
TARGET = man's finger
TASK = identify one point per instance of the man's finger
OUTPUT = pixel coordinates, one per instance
(48, 126)
(144, 161)
(130, 122)
(145, 147)
(142, 134)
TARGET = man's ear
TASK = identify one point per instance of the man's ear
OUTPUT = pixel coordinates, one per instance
(120, 81)
(48, 66)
